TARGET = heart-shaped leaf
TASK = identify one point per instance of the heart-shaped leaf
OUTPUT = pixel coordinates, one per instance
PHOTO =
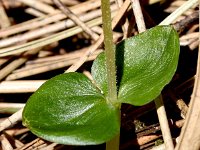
(145, 64)
(69, 109)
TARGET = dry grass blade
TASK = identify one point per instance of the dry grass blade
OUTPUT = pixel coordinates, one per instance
(39, 6)
(23, 86)
(4, 20)
(47, 40)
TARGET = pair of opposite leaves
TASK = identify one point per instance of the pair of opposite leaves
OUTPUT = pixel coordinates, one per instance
(70, 109)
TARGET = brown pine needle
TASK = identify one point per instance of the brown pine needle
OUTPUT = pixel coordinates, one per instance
(75, 18)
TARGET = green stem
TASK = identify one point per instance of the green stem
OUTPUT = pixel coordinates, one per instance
(113, 144)
(109, 51)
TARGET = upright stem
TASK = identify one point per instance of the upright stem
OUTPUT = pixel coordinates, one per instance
(109, 51)
(113, 144)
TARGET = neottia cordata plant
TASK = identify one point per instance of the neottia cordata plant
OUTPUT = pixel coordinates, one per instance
(71, 109)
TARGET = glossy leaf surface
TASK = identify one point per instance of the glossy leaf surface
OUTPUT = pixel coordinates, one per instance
(69, 109)
(145, 64)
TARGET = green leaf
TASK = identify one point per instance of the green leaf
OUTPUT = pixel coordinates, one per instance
(145, 64)
(69, 109)
(99, 73)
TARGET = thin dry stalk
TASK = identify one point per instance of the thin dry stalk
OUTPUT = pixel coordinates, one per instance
(5, 143)
(75, 18)
(164, 123)
(34, 12)
(50, 147)
(125, 25)
(4, 20)
(189, 36)
(145, 139)
(193, 27)
(172, 9)
(40, 147)
(140, 141)
(4, 60)
(97, 29)
(11, 120)
(23, 86)
(16, 132)
(187, 42)
(4, 23)
(11, 4)
(10, 108)
(39, 6)
(15, 143)
(177, 3)
(66, 2)
(37, 145)
(138, 16)
(194, 44)
(37, 141)
(88, 74)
